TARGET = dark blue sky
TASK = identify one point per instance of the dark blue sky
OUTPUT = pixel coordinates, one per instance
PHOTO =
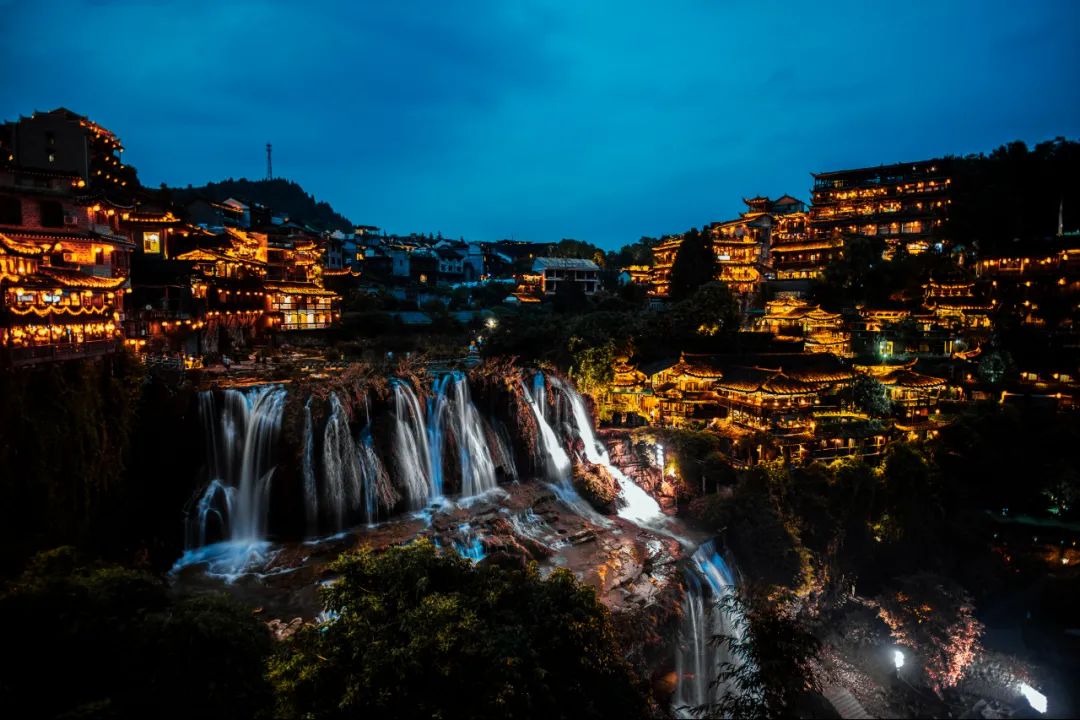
(602, 121)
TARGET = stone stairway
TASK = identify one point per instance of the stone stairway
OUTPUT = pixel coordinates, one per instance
(844, 702)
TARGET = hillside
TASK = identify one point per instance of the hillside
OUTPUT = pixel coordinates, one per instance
(282, 196)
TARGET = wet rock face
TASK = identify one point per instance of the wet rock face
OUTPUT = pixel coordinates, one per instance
(597, 486)
(638, 461)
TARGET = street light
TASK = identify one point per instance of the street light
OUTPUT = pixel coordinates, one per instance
(1035, 698)
(898, 659)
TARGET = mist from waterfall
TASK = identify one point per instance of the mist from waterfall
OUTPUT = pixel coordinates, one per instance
(699, 659)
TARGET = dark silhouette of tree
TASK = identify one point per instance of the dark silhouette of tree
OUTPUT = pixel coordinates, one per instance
(870, 396)
(773, 655)
(711, 309)
(126, 647)
(279, 195)
(695, 264)
(423, 634)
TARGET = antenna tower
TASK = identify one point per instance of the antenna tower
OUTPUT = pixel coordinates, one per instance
(269, 165)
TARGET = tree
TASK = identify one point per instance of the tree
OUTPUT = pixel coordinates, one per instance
(125, 647)
(593, 369)
(935, 618)
(421, 634)
(993, 367)
(695, 264)
(570, 298)
(710, 310)
(772, 659)
(870, 396)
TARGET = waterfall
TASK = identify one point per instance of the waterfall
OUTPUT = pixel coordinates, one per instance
(550, 447)
(342, 474)
(215, 505)
(471, 546)
(557, 462)
(240, 444)
(452, 410)
(501, 450)
(311, 491)
(698, 661)
(372, 474)
(243, 458)
(639, 507)
(412, 451)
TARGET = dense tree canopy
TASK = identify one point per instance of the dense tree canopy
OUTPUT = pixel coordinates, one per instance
(1012, 196)
(871, 397)
(282, 196)
(771, 668)
(107, 642)
(421, 634)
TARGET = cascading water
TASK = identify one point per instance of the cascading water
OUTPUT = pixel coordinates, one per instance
(372, 474)
(556, 460)
(470, 546)
(342, 474)
(452, 410)
(412, 451)
(311, 491)
(241, 439)
(699, 659)
(639, 507)
(551, 448)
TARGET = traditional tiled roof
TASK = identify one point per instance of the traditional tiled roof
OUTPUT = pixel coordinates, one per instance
(75, 279)
(905, 377)
(753, 380)
(22, 249)
(298, 289)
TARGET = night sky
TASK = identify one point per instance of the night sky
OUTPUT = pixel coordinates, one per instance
(601, 121)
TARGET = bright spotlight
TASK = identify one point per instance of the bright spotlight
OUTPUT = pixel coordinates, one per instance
(898, 659)
(1035, 698)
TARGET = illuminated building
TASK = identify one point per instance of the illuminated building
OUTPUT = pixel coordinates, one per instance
(906, 203)
(64, 260)
(555, 272)
(741, 246)
(820, 330)
(635, 274)
(955, 305)
(201, 288)
(296, 296)
(914, 395)
(65, 142)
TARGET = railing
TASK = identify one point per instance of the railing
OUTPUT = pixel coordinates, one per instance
(64, 351)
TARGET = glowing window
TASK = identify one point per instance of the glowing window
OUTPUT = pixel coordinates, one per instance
(151, 242)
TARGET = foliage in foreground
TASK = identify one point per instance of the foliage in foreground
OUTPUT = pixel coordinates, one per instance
(108, 642)
(423, 634)
(935, 618)
(772, 654)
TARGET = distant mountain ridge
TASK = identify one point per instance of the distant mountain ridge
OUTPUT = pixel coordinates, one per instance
(283, 197)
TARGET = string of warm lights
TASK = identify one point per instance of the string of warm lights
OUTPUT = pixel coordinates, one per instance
(60, 310)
